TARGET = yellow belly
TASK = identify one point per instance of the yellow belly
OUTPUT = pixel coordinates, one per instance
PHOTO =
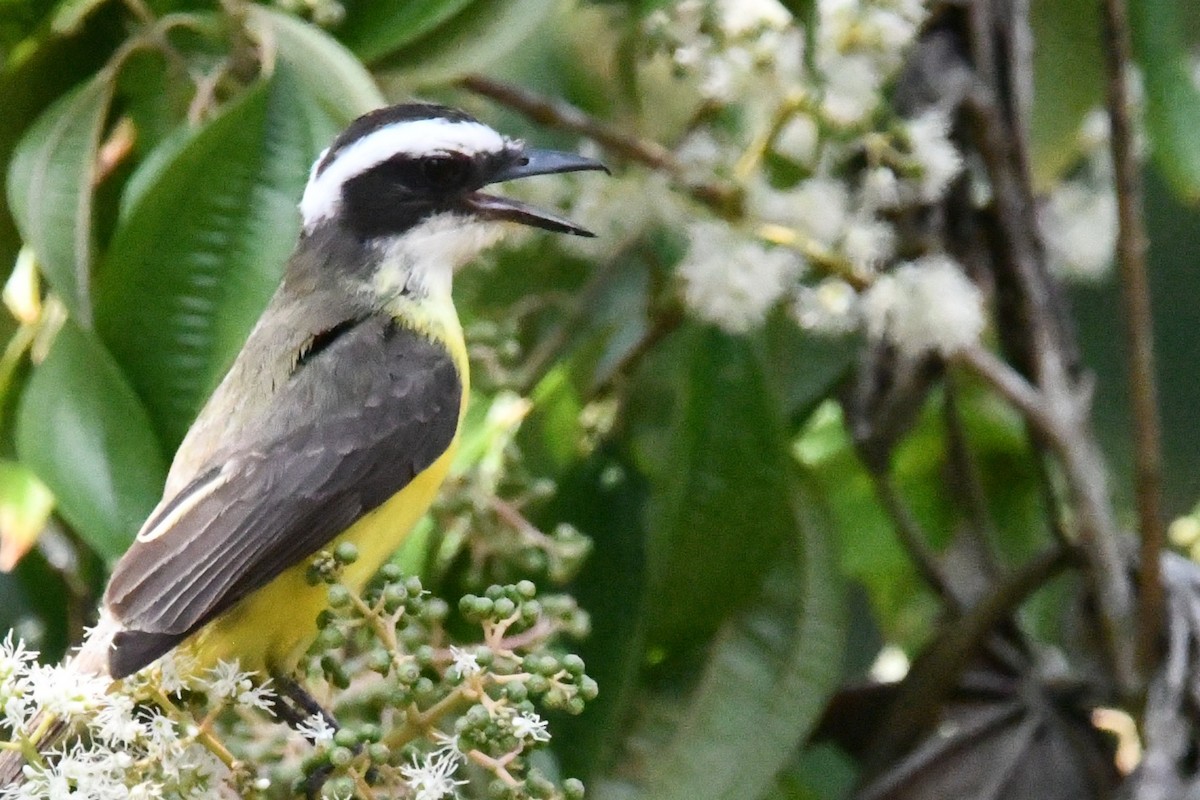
(269, 630)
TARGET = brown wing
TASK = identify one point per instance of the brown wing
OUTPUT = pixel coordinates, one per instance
(362, 414)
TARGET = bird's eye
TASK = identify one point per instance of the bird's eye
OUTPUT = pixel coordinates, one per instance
(445, 172)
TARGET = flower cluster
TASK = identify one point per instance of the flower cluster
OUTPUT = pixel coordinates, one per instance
(1079, 216)
(417, 715)
(437, 715)
(821, 171)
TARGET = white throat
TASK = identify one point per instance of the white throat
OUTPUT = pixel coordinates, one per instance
(422, 261)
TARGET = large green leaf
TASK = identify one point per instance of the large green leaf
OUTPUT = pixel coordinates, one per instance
(471, 41)
(83, 431)
(50, 189)
(197, 257)
(377, 28)
(1172, 97)
(718, 466)
(328, 71)
(762, 687)
(767, 679)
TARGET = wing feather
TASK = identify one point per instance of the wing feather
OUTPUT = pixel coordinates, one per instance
(364, 416)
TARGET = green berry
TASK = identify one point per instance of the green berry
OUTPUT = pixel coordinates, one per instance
(379, 660)
(537, 684)
(346, 553)
(573, 664)
(588, 688)
(391, 573)
(494, 592)
(573, 789)
(413, 586)
(368, 732)
(408, 673)
(574, 705)
(379, 753)
(338, 596)
(527, 589)
(505, 607)
(345, 738)
(341, 756)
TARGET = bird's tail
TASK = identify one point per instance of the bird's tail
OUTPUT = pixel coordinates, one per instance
(46, 730)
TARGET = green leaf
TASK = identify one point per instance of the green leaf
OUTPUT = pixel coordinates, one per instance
(83, 431)
(195, 260)
(70, 15)
(377, 28)
(328, 71)
(1172, 98)
(25, 506)
(718, 465)
(771, 670)
(50, 189)
(474, 39)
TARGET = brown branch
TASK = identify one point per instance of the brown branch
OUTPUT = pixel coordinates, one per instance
(1139, 330)
(913, 537)
(1037, 330)
(552, 113)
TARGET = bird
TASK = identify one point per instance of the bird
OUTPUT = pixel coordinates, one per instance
(338, 419)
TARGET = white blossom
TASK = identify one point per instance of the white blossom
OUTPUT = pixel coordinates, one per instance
(934, 154)
(316, 729)
(923, 306)
(880, 189)
(798, 139)
(67, 692)
(530, 726)
(744, 17)
(465, 663)
(732, 281)
(1079, 224)
(852, 88)
(868, 242)
(432, 777)
(829, 308)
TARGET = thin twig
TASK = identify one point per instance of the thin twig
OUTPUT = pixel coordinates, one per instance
(966, 476)
(913, 537)
(553, 113)
(1139, 330)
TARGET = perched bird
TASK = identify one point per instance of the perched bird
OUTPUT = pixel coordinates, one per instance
(339, 417)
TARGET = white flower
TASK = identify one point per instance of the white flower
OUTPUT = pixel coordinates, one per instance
(880, 189)
(1079, 223)
(819, 206)
(732, 281)
(67, 692)
(465, 663)
(530, 726)
(316, 729)
(798, 138)
(927, 305)
(742, 17)
(829, 308)
(934, 154)
(15, 660)
(116, 723)
(433, 777)
(226, 681)
(853, 88)
(868, 242)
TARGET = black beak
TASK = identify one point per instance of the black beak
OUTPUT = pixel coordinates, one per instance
(530, 163)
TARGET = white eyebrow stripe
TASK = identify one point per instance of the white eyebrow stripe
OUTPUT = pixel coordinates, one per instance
(323, 193)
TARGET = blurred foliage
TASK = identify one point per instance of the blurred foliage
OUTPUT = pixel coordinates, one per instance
(154, 154)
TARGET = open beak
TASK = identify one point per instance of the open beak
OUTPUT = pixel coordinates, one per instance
(533, 162)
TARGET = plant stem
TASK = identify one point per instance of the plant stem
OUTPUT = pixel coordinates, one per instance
(1139, 330)
(553, 113)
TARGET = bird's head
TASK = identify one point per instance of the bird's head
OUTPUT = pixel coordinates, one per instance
(400, 168)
